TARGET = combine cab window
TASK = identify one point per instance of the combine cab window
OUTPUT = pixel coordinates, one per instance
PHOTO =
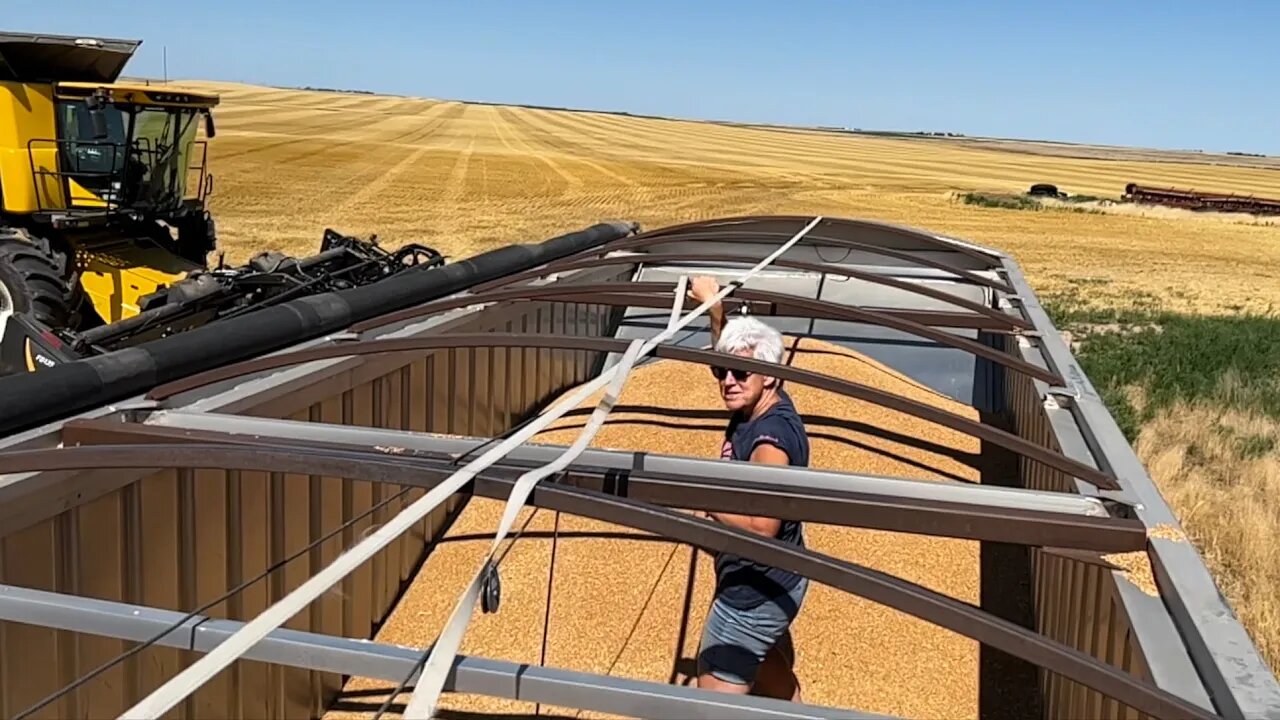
(92, 162)
(163, 139)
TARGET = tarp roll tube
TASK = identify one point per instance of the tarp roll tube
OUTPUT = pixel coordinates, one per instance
(27, 400)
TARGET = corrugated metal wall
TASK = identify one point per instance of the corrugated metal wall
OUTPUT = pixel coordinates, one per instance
(1076, 602)
(179, 539)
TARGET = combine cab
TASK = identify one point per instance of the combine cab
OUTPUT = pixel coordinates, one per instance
(104, 226)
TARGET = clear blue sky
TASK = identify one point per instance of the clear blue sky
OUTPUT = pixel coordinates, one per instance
(1174, 74)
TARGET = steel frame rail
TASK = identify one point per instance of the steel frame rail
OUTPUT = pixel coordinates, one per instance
(784, 499)
(934, 318)
(360, 658)
(840, 386)
(781, 301)
(1002, 320)
(763, 236)
(913, 234)
(621, 465)
(878, 587)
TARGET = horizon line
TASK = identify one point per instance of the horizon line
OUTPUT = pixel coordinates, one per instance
(847, 130)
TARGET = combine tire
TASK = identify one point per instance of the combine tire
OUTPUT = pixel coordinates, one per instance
(32, 279)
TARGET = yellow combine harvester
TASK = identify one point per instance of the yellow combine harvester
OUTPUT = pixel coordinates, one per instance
(104, 230)
(102, 184)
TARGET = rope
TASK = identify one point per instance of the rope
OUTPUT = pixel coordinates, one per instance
(456, 626)
(196, 675)
(551, 583)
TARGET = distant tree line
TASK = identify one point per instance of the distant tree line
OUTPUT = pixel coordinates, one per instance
(339, 90)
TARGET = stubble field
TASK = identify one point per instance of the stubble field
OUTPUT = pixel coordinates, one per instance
(467, 177)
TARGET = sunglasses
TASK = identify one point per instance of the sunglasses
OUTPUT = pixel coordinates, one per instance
(738, 375)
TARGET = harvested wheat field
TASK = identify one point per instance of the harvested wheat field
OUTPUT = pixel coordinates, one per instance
(624, 604)
(466, 177)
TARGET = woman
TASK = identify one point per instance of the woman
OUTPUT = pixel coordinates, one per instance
(746, 642)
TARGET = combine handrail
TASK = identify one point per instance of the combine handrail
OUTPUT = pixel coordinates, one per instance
(840, 386)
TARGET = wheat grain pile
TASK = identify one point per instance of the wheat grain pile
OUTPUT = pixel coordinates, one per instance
(619, 600)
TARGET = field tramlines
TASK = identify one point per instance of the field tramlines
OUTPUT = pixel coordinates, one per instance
(465, 177)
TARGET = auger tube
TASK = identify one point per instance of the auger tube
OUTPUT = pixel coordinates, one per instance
(34, 398)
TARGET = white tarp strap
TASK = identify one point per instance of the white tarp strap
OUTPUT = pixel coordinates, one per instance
(440, 660)
(165, 697)
(681, 288)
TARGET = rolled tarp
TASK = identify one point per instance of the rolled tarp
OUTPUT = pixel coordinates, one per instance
(28, 400)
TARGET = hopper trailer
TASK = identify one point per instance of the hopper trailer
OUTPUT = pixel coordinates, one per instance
(480, 490)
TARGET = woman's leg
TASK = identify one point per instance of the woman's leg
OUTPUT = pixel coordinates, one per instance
(729, 655)
(738, 644)
(777, 677)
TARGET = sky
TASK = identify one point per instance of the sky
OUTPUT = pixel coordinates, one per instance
(1176, 74)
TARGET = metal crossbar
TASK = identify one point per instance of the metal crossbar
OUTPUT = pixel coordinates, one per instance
(782, 308)
(767, 237)
(578, 263)
(168, 695)
(377, 661)
(981, 254)
(786, 304)
(847, 388)
(971, 512)
(620, 463)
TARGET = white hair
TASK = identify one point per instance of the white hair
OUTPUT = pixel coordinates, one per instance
(747, 333)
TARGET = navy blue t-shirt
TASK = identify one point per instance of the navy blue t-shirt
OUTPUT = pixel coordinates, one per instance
(742, 583)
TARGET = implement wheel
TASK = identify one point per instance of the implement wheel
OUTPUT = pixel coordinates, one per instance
(33, 279)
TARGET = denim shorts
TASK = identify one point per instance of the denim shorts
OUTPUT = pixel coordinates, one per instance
(734, 642)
